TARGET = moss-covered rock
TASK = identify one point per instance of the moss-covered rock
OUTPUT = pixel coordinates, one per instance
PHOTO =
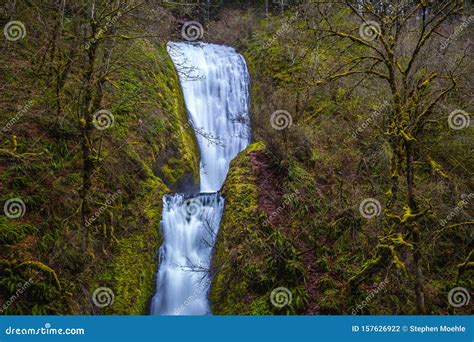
(133, 265)
(252, 257)
(150, 94)
(242, 218)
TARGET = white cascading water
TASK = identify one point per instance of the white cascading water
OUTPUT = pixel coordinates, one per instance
(215, 85)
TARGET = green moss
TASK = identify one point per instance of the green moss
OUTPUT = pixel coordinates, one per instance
(151, 95)
(326, 283)
(260, 306)
(150, 133)
(13, 232)
(330, 303)
(251, 256)
(130, 271)
(323, 264)
(133, 267)
(241, 216)
(43, 268)
(160, 121)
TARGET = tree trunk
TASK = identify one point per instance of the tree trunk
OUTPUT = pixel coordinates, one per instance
(420, 298)
(87, 115)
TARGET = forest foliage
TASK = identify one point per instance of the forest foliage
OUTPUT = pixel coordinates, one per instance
(361, 178)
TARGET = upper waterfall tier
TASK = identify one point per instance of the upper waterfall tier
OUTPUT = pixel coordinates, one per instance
(215, 84)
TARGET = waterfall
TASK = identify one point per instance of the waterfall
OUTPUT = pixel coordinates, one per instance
(215, 84)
